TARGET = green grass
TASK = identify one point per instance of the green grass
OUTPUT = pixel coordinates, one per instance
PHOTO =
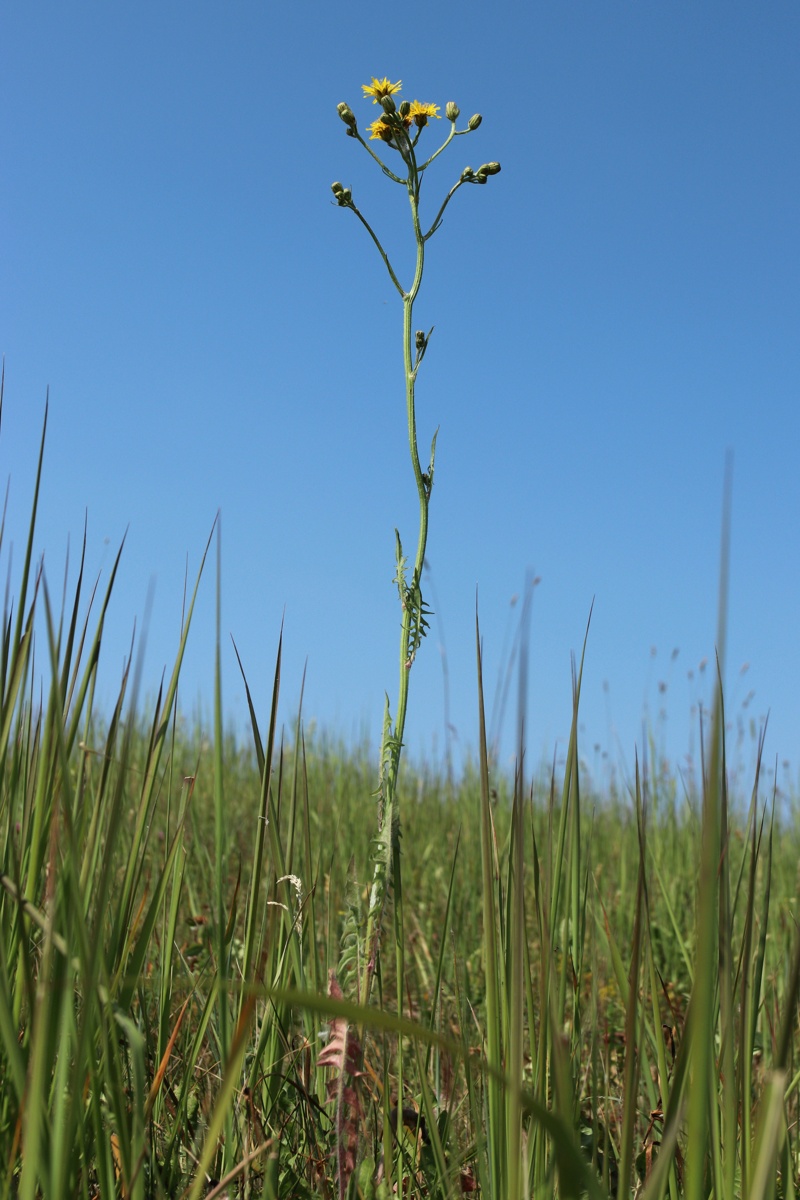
(599, 994)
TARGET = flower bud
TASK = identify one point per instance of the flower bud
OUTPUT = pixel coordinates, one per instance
(420, 339)
(492, 168)
(405, 108)
(474, 121)
(388, 105)
(337, 188)
(346, 114)
(466, 174)
(452, 110)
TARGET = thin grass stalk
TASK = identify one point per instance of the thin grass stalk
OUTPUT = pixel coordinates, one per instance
(772, 1133)
(745, 1059)
(44, 1023)
(436, 1005)
(220, 825)
(204, 1008)
(309, 929)
(576, 910)
(699, 1152)
(444, 1178)
(539, 1151)
(36, 838)
(515, 961)
(702, 1025)
(568, 833)
(599, 1157)
(664, 1081)
(494, 1093)
(752, 974)
(726, 1145)
(399, 946)
(558, 1144)
(675, 927)
(296, 760)
(96, 866)
(664, 1168)
(632, 1013)
(171, 911)
(161, 721)
(223, 1106)
(80, 948)
(253, 944)
(532, 1130)
(22, 594)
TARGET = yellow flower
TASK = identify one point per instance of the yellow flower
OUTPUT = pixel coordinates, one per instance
(420, 113)
(380, 88)
(381, 129)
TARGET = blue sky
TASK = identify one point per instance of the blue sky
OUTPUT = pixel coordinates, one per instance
(614, 312)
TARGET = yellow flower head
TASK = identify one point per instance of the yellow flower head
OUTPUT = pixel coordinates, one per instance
(419, 113)
(382, 130)
(378, 130)
(380, 88)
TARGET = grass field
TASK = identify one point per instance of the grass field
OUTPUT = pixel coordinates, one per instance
(599, 993)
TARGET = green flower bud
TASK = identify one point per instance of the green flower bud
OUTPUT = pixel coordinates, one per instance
(405, 108)
(492, 168)
(474, 121)
(388, 105)
(466, 174)
(344, 197)
(346, 114)
(337, 188)
(420, 339)
(452, 110)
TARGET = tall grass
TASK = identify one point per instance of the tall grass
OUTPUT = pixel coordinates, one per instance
(601, 994)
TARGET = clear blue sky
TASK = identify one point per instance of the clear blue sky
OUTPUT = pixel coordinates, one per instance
(614, 312)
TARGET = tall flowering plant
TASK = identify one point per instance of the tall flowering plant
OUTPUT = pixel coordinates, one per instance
(398, 131)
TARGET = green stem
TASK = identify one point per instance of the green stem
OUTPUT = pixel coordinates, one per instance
(381, 250)
(440, 213)
(390, 174)
(422, 490)
(388, 866)
(443, 146)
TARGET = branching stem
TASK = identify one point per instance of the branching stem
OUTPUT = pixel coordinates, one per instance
(401, 130)
(411, 626)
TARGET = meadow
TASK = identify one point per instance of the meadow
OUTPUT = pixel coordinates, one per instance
(237, 967)
(572, 994)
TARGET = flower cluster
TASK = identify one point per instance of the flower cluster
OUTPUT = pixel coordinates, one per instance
(414, 113)
(402, 121)
(410, 113)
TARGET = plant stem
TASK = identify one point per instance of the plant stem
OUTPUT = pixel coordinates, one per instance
(388, 858)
